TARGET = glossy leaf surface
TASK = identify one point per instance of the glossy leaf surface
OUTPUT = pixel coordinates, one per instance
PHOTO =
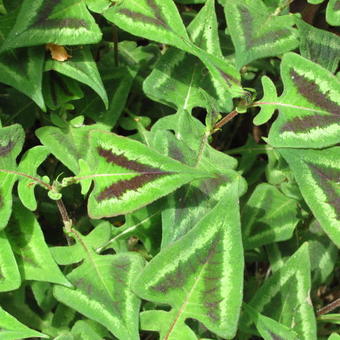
(318, 175)
(102, 286)
(200, 276)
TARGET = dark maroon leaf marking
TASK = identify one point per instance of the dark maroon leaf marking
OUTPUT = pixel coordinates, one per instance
(311, 91)
(1, 201)
(337, 6)
(275, 336)
(42, 20)
(179, 276)
(228, 78)
(324, 177)
(6, 149)
(158, 20)
(147, 174)
(249, 28)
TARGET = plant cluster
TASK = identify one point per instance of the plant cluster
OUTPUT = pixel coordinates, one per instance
(169, 169)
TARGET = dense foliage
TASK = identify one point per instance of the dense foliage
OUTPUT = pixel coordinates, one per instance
(169, 169)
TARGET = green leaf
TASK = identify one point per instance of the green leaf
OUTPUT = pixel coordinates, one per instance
(12, 329)
(257, 33)
(146, 18)
(66, 255)
(333, 12)
(200, 276)
(23, 69)
(28, 165)
(102, 292)
(268, 328)
(268, 217)
(317, 173)
(284, 296)
(156, 20)
(40, 22)
(309, 106)
(128, 175)
(73, 138)
(334, 336)
(318, 45)
(88, 330)
(270, 95)
(82, 68)
(11, 142)
(32, 254)
(179, 78)
(323, 253)
(9, 273)
(59, 90)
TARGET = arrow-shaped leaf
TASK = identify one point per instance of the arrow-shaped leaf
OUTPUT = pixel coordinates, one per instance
(309, 106)
(284, 296)
(128, 175)
(11, 142)
(12, 329)
(318, 176)
(9, 273)
(103, 292)
(83, 68)
(200, 276)
(256, 32)
(268, 217)
(318, 45)
(178, 78)
(62, 22)
(33, 256)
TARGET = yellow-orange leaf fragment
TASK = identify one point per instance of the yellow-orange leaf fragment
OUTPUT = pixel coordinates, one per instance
(58, 52)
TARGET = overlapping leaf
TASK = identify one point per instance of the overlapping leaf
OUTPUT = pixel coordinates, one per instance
(309, 106)
(200, 276)
(333, 12)
(318, 45)
(11, 141)
(22, 68)
(268, 328)
(66, 255)
(102, 292)
(284, 296)
(74, 138)
(82, 68)
(12, 329)
(128, 175)
(64, 22)
(146, 18)
(33, 257)
(9, 272)
(268, 217)
(256, 32)
(179, 78)
(318, 175)
(30, 161)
